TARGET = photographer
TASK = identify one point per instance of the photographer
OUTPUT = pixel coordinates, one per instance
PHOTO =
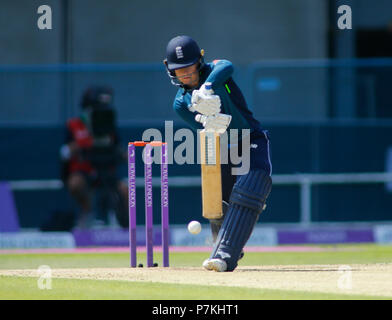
(89, 160)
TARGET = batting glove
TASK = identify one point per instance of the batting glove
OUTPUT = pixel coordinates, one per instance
(218, 122)
(204, 102)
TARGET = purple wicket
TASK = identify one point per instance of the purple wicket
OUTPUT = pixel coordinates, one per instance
(148, 202)
(132, 203)
(165, 206)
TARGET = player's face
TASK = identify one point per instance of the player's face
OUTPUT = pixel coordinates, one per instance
(188, 76)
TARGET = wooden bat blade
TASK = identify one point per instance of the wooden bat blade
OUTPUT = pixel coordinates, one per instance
(211, 176)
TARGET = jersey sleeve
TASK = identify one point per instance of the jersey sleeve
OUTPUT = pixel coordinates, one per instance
(188, 116)
(222, 70)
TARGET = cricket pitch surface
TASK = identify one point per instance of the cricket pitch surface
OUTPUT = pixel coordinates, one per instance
(361, 279)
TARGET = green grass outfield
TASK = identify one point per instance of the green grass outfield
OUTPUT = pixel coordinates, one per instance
(67, 289)
(15, 287)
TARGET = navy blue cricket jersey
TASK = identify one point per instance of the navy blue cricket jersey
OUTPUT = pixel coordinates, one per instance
(219, 73)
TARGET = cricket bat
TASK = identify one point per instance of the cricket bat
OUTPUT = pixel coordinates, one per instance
(211, 177)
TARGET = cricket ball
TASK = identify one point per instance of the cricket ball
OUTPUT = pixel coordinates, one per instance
(194, 227)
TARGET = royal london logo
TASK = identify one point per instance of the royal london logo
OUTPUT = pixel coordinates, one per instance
(179, 53)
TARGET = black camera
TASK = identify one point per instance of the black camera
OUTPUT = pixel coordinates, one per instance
(103, 123)
(101, 117)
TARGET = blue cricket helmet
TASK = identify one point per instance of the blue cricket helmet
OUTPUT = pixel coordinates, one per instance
(182, 52)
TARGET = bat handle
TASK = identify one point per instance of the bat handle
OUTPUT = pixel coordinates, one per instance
(208, 88)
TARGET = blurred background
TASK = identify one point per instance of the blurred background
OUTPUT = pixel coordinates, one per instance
(322, 92)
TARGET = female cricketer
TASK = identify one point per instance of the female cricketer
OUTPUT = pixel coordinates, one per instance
(244, 196)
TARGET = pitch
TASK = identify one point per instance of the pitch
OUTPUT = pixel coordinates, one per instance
(305, 272)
